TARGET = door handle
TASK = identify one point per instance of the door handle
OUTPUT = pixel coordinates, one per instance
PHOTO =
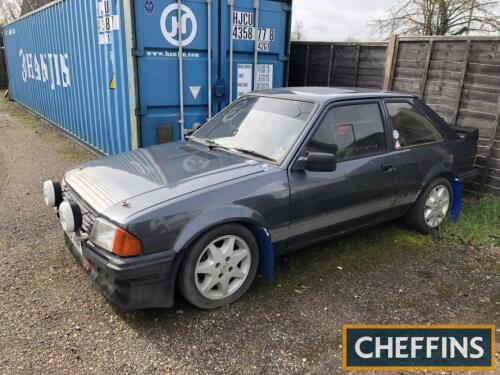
(388, 168)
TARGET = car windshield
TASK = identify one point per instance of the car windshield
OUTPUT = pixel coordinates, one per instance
(262, 127)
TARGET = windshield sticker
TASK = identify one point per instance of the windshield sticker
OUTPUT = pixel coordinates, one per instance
(278, 152)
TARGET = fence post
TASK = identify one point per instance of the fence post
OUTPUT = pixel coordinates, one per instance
(489, 150)
(426, 69)
(334, 65)
(330, 66)
(461, 84)
(390, 61)
(307, 64)
(358, 51)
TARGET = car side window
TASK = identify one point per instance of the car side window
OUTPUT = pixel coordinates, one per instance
(353, 131)
(412, 126)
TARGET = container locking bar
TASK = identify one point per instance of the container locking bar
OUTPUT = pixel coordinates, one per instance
(256, 5)
(231, 9)
(181, 75)
(209, 57)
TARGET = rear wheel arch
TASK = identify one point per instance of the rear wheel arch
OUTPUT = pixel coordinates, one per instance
(433, 176)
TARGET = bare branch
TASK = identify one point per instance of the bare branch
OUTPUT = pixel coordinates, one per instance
(440, 17)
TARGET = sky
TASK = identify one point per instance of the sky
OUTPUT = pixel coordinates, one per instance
(339, 20)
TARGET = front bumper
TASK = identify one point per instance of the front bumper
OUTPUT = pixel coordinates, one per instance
(140, 282)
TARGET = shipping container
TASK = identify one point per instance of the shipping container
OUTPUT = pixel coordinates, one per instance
(121, 74)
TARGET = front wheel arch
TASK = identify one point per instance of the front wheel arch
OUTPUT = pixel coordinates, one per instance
(261, 234)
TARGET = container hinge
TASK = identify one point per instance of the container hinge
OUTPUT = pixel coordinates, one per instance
(138, 52)
(138, 112)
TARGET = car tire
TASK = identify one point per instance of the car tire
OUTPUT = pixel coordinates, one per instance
(427, 207)
(220, 267)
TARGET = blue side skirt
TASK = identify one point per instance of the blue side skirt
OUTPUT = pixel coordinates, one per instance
(456, 205)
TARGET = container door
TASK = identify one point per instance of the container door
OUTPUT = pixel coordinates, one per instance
(157, 41)
(157, 45)
(272, 22)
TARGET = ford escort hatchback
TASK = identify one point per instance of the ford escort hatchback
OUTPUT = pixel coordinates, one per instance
(273, 172)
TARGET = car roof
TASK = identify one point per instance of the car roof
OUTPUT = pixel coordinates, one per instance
(327, 94)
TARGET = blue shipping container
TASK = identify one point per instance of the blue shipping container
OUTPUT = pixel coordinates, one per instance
(120, 74)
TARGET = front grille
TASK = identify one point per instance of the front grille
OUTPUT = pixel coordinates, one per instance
(88, 214)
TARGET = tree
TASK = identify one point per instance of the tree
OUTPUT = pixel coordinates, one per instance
(298, 33)
(440, 17)
(9, 10)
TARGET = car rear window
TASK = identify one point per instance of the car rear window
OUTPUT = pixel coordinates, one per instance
(413, 127)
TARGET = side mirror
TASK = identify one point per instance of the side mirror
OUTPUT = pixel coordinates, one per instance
(317, 162)
(196, 126)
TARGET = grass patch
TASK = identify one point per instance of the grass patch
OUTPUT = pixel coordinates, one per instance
(479, 223)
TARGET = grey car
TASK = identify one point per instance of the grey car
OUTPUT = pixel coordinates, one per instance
(273, 172)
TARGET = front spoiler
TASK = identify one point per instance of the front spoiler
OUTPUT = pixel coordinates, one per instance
(146, 281)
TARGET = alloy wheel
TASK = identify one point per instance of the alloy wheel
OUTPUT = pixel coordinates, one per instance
(436, 206)
(222, 267)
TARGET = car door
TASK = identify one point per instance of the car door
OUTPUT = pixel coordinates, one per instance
(361, 190)
(418, 147)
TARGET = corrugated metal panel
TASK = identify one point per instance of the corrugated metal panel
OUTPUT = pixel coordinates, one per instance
(63, 68)
(58, 68)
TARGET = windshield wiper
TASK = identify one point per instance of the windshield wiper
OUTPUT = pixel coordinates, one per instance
(212, 145)
(254, 153)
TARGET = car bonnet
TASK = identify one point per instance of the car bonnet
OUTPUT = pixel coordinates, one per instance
(153, 175)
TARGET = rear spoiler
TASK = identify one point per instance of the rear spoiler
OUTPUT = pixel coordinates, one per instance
(467, 132)
(469, 175)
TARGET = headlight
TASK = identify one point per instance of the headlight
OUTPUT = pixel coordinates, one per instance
(114, 239)
(103, 234)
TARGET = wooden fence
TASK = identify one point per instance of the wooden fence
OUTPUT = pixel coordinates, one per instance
(337, 64)
(459, 77)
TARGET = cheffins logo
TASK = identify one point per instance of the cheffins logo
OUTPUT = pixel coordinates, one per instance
(418, 347)
(171, 25)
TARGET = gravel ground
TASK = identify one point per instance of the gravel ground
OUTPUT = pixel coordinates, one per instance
(53, 321)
